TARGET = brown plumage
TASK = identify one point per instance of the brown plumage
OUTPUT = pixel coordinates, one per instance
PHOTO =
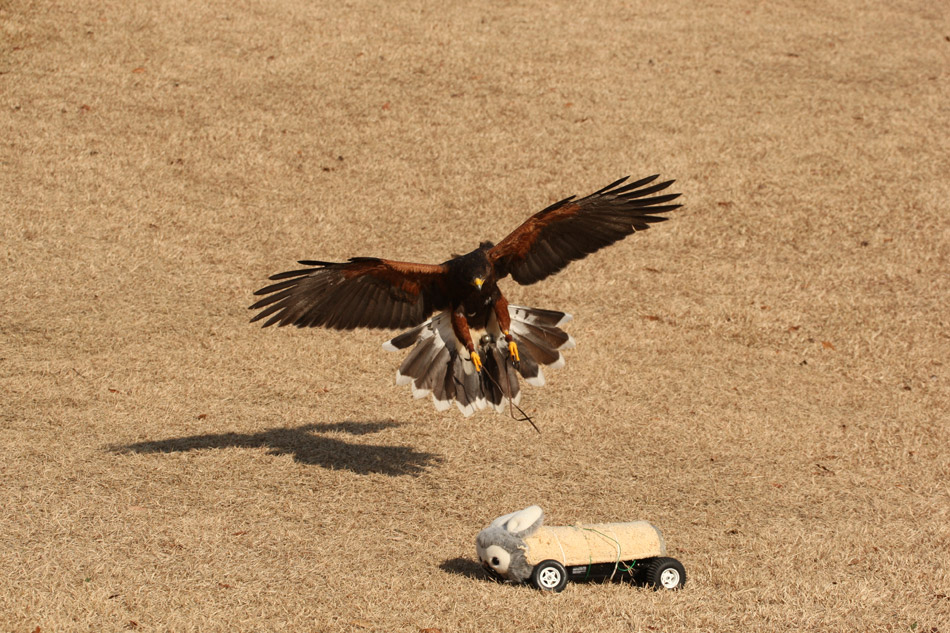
(380, 293)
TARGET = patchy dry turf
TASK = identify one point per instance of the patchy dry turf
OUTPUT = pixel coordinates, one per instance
(766, 376)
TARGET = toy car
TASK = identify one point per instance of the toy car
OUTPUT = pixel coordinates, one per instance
(518, 548)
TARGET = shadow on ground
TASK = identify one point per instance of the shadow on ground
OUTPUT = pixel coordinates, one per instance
(308, 445)
(466, 567)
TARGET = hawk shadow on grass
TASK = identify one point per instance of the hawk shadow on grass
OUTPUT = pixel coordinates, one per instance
(308, 444)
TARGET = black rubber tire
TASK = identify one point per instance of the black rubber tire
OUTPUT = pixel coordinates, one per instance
(664, 573)
(549, 575)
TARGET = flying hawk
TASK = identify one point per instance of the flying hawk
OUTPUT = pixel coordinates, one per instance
(477, 343)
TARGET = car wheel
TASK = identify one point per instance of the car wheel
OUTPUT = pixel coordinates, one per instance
(549, 575)
(665, 573)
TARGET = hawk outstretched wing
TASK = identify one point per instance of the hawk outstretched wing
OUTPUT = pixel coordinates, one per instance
(573, 229)
(362, 292)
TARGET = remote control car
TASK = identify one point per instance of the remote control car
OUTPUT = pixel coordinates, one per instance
(518, 548)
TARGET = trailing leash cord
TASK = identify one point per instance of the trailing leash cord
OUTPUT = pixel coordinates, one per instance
(511, 403)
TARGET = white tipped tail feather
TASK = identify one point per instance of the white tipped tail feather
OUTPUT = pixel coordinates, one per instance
(440, 365)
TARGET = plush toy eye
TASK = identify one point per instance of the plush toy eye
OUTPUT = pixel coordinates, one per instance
(497, 558)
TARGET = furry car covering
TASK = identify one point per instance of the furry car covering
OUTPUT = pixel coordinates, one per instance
(594, 543)
(524, 538)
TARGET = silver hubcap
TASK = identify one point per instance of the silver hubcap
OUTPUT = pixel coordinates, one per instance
(670, 578)
(549, 577)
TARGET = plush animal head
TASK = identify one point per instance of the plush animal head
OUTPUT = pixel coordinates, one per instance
(501, 547)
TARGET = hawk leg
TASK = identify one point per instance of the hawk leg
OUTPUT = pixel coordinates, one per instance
(464, 335)
(504, 323)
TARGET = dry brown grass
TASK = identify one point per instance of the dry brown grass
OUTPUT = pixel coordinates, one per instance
(765, 377)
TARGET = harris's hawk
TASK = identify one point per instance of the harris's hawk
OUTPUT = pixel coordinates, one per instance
(473, 349)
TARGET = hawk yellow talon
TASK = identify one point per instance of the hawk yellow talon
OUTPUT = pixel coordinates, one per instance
(513, 350)
(477, 361)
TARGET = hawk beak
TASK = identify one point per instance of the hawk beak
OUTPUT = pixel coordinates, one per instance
(478, 282)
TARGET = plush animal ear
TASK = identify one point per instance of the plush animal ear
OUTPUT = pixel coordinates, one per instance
(502, 520)
(524, 522)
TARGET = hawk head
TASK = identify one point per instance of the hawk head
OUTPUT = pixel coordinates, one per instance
(474, 269)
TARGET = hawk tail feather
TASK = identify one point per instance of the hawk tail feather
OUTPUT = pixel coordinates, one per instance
(440, 366)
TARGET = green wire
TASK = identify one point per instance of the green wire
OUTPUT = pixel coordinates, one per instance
(629, 568)
(590, 559)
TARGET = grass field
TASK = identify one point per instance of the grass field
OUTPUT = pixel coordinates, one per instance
(766, 377)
